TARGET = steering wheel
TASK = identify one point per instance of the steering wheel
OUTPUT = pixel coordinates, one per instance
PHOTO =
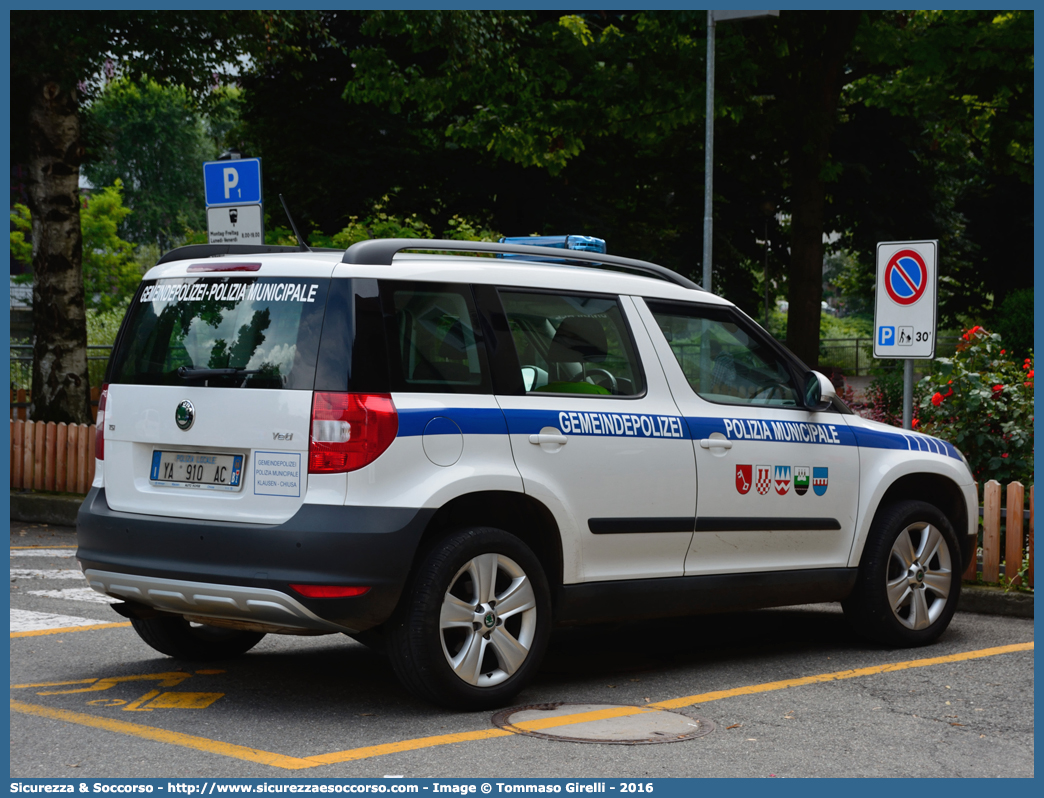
(603, 373)
(766, 395)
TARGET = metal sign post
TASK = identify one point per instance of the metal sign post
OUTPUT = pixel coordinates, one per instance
(906, 308)
(235, 212)
(713, 17)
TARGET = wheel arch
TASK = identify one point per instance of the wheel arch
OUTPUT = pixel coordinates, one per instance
(516, 513)
(935, 489)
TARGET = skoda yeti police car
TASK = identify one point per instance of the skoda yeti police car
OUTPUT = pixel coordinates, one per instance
(448, 451)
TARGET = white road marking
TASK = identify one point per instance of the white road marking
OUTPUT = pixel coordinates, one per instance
(65, 553)
(45, 573)
(76, 594)
(27, 621)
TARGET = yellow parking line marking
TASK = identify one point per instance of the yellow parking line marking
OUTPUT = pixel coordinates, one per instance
(837, 676)
(168, 679)
(64, 629)
(366, 752)
(407, 745)
(164, 736)
(53, 684)
(577, 717)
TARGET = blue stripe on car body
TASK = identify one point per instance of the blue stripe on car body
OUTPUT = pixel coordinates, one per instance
(493, 421)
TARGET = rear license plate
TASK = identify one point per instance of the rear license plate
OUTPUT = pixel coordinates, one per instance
(196, 470)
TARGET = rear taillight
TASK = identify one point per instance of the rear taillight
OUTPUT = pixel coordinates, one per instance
(99, 429)
(349, 430)
(329, 591)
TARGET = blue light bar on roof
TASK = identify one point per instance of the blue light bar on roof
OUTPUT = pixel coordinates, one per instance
(584, 243)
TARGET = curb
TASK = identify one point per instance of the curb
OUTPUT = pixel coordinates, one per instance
(994, 601)
(61, 510)
(40, 508)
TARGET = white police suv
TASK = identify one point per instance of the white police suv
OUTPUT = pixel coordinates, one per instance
(448, 454)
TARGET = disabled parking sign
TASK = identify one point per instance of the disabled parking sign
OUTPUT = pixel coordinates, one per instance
(906, 301)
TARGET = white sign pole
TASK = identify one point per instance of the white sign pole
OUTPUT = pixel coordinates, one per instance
(908, 394)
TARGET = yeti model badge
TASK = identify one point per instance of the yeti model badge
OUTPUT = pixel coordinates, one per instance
(184, 415)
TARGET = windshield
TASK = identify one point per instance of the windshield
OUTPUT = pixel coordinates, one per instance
(251, 332)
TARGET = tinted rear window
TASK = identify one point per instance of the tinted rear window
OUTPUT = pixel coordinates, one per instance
(250, 332)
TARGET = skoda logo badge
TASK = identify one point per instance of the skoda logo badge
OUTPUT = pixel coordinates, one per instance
(184, 415)
(490, 620)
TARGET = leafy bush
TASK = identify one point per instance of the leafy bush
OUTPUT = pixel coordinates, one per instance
(981, 401)
(884, 397)
(1015, 321)
(381, 224)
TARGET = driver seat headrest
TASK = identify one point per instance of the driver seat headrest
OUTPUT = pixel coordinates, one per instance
(579, 339)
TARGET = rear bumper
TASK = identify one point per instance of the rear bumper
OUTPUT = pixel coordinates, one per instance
(244, 571)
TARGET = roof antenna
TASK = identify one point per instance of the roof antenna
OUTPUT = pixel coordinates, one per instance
(301, 241)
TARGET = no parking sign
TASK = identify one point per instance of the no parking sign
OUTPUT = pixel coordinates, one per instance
(905, 307)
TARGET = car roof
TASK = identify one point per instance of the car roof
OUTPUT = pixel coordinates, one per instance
(562, 269)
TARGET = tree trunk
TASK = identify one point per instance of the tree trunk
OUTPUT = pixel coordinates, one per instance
(805, 290)
(60, 384)
(818, 77)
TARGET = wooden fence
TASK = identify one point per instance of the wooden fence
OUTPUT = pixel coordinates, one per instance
(1008, 542)
(57, 457)
(20, 401)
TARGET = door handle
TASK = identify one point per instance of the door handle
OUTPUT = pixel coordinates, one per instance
(543, 437)
(715, 443)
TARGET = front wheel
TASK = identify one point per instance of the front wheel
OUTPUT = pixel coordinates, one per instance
(176, 637)
(909, 578)
(474, 623)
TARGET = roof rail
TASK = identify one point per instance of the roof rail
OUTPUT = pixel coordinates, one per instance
(381, 251)
(194, 251)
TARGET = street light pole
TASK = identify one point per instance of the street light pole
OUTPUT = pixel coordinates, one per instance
(708, 152)
(708, 159)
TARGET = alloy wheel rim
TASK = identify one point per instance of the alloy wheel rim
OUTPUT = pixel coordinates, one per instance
(920, 576)
(488, 618)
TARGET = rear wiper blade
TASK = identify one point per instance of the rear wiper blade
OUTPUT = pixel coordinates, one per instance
(187, 373)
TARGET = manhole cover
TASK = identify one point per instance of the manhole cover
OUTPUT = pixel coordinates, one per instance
(612, 724)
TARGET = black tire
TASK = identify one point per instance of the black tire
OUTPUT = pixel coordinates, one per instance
(909, 578)
(443, 618)
(176, 637)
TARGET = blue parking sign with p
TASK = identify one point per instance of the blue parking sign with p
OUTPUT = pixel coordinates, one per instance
(235, 182)
(886, 336)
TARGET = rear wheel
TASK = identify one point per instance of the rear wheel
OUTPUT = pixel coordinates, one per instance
(474, 624)
(176, 637)
(909, 580)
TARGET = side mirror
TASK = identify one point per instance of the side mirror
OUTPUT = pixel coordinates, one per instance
(819, 391)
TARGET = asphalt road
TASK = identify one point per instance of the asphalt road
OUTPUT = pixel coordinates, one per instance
(97, 702)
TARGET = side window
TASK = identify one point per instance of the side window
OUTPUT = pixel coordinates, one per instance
(434, 340)
(723, 359)
(572, 344)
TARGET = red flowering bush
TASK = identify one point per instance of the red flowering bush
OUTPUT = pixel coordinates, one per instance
(981, 401)
(884, 398)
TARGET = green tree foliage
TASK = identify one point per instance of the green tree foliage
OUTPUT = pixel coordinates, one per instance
(153, 138)
(942, 105)
(21, 228)
(110, 271)
(55, 58)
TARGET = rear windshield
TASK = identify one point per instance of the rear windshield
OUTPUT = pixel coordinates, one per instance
(249, 332)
